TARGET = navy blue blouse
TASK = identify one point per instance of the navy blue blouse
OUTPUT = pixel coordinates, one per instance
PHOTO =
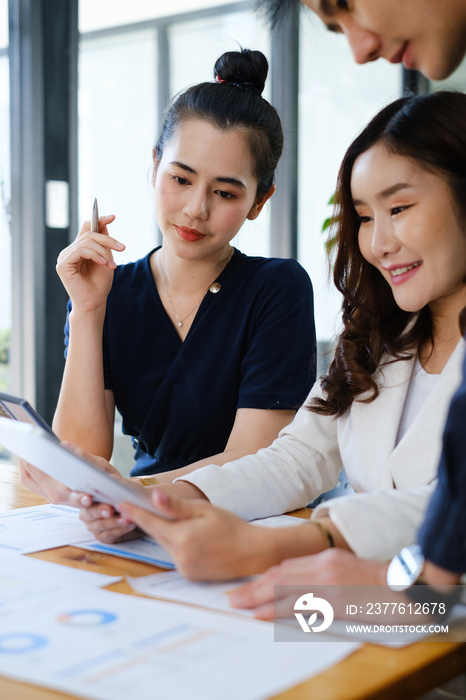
(251, 345)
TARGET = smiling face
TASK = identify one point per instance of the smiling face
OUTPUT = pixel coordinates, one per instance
(204, 189)
(426, 35)
(409, 230)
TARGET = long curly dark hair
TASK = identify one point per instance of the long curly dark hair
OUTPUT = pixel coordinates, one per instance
(431, 130)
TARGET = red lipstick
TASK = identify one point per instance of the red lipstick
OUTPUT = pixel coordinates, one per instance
(189, 234)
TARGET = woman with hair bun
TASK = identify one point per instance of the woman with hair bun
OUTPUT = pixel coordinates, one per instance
(206, 352)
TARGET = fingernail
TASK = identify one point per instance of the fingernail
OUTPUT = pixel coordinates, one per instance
(105, 513)
(120, 246)
(124, 523)
(86, 501)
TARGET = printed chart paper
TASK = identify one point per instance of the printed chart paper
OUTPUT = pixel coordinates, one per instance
(37, 528)
(109, 646)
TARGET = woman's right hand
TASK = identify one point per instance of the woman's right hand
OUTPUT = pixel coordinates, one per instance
(86, 266)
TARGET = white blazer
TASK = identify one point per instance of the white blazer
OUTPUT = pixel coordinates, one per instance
(393, 483)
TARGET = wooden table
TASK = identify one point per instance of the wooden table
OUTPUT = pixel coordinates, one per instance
(372, 672)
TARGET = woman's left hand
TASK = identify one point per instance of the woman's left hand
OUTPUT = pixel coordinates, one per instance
(336, 568)
(207, 543)
(100, 518)
(42, 484)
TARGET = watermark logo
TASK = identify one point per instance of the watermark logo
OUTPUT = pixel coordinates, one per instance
(374, 614)
(307, 603)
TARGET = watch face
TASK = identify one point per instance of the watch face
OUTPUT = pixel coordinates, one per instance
(405, 568)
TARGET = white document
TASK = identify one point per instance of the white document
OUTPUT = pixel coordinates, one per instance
(40, 527)
(143, 549)
(23, 579)
(109, 646)
(172, 586)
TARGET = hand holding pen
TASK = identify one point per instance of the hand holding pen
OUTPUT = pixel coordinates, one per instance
(86, 266)
(95, 224)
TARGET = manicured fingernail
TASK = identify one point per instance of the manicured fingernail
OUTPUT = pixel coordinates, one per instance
(86, 501)
(105, 513)
(120, 246)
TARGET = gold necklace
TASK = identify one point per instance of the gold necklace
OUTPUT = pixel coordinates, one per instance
(213, 288)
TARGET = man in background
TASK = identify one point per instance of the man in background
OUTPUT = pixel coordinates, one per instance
(424, 35)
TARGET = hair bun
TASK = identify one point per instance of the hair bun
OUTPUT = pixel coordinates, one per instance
(243, 68)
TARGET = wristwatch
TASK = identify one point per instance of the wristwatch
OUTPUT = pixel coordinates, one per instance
(405, 568)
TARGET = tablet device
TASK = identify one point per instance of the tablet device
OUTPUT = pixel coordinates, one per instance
(19, 409)
(43, 450)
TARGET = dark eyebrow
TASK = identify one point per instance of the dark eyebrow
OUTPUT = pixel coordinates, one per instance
(393, 189)
(183, 166)
(219, 178)
(230, 181)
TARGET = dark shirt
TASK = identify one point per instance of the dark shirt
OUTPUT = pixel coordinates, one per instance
(443, 534)
(251, 345)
